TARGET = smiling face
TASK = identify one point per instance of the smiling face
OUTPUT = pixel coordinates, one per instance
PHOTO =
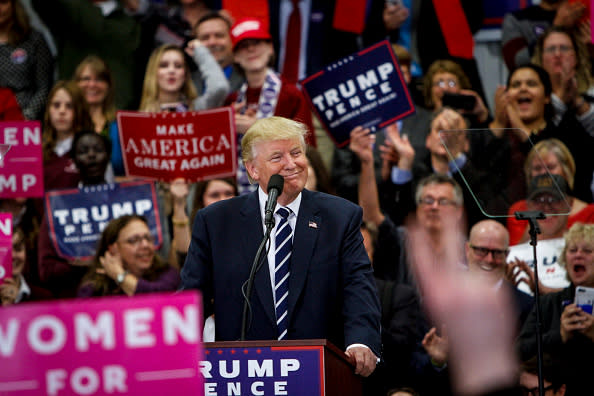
(214, 34)
(486, 249)
(285, 157)
(94, 89)
(558, 54)
(579, 262)
(171, 72)
(527, 95)
(61, 112)
(136, 248)
(253, 54)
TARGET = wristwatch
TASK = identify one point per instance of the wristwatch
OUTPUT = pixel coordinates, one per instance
(120, 278)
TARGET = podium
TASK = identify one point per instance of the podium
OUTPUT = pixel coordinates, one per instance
(295, 368)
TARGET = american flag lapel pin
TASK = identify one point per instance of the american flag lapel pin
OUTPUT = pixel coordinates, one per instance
(313, 224)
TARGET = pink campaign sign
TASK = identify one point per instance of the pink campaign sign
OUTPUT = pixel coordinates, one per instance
(5, 246)
(147, 344)
(21, 168)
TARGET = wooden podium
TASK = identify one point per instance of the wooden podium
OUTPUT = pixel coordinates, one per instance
(295, 368)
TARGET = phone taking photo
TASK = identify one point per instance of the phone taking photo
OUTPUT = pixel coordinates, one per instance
(584, 298)
(458, 101)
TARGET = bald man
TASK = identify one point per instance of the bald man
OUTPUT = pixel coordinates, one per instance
(486, 253)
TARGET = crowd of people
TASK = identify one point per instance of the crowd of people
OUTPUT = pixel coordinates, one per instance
(438, 190)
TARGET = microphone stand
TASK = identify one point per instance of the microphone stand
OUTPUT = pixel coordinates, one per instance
(531, 216)
(250, 281)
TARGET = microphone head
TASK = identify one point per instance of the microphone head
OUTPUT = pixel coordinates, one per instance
(276, 181)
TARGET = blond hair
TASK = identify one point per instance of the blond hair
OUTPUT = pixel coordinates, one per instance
(268, 130)
(559, 150)
(577, 232)
(150, 88)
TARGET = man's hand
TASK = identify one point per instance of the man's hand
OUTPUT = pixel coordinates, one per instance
(406, 152)
(436, 346)
(517, 266)
(568, 14)
(363, 359)
(8, 291)
(362, 144)
(394, 16)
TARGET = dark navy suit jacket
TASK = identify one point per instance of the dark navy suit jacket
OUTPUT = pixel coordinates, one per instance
(332, 293)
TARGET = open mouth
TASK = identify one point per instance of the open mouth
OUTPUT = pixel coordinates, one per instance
(579, 269)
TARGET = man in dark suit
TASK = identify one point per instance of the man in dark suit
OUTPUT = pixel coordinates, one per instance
(331, 292)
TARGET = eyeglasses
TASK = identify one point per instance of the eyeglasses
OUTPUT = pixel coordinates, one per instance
(534, 391)
(136, 239)
(446, 84)
(482, 252)
(428, 201)
(564, 49)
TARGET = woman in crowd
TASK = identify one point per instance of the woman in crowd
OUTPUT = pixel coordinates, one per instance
(567, 61)
(567, 331)
(553, 156)
(264, 93)
(126, 262)
(65, 115)
(168, 82)
(26, 64)
(96, 83)
(447, 77)
(204, 193)
(525, 106)
(17, 288)
(26, 216)
(318, 178)
(90, 153)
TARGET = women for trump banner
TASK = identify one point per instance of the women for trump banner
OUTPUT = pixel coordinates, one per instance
(141, 345)
(190, 145)
(21, 161)
(76, 217)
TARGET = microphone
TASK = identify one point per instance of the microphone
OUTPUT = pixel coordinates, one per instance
(275, 188)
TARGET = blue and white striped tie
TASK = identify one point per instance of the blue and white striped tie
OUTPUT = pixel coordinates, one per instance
(282, 257)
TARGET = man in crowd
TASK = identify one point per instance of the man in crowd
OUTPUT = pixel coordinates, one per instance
(213, 30)
(318, 281)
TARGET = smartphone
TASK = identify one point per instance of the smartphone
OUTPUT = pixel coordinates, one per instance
(458, 101)
(584, 298)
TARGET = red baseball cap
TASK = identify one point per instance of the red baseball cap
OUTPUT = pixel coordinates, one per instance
(248, 28)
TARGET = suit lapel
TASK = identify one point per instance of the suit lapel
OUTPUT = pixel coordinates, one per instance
(306, 234)
(251, 227)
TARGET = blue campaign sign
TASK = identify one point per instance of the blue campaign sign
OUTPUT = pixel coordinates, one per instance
(291, 370)
(76, 217)
(365, 89)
